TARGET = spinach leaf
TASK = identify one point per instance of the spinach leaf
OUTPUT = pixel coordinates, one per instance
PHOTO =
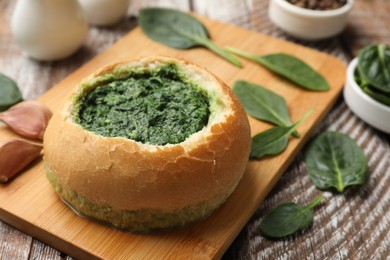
(290, 68)
(179, 30)
(273, 141)
(382, 97)
(374, 66)
(9, 93)
(262, 103)
(376, 94)
(288, 218)
(334, 160)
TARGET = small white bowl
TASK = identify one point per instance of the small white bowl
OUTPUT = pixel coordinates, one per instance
(104, 12)
(368, 109)
(308, 24)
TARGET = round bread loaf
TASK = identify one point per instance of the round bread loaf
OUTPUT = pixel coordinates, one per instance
(138, 186)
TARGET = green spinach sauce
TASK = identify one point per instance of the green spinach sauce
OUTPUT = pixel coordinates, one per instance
(156, 107)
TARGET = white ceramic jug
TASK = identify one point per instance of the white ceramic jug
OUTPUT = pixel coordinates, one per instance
(49, 29)
(104, 12)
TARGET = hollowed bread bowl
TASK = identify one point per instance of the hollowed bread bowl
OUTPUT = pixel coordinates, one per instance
(138, 186)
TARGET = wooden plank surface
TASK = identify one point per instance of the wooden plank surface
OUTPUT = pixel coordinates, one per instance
(354, 226)
(29, 203)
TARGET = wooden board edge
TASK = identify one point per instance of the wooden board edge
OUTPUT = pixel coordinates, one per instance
(45, 236)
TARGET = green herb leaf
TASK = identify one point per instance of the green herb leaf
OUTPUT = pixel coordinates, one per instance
(179, 30)
(273, 141)
(334, 160)
(371, 91)
(262, 103)
(9, 93)
(374, 66)
(288, 218)
(290, 68)
(377, 95)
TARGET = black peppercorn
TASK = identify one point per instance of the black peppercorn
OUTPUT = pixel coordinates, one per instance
(318, 4)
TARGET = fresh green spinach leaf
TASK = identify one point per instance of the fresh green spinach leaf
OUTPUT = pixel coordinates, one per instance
(376, 94)
(274, 140)
(9, 93)
(374, 66)
(334, 160)
(368, 64)
(290, 68)
(262, 103)
(382, 97)
(288, 218)
(179, 30)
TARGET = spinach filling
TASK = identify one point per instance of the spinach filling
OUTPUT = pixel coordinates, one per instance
(156, 107)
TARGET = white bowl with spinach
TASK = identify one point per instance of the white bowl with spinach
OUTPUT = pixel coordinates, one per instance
(367, 89)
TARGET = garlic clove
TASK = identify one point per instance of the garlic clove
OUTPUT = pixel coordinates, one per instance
(27, 118)
(15, 155)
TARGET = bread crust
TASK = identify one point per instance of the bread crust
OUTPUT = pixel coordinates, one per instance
(128, 175)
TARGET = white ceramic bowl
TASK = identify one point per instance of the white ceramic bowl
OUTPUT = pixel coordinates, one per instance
(368, 109)
(308, 24)
(104, 12)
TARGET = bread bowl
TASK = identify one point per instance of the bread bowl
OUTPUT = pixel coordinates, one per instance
(141, 186)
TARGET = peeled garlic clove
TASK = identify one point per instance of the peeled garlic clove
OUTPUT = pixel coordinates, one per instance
(28, 119)
(15, 155)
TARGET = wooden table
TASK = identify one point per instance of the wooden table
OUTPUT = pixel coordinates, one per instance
(353, 225)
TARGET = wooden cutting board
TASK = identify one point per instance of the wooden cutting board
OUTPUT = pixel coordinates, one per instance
(30, 204)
